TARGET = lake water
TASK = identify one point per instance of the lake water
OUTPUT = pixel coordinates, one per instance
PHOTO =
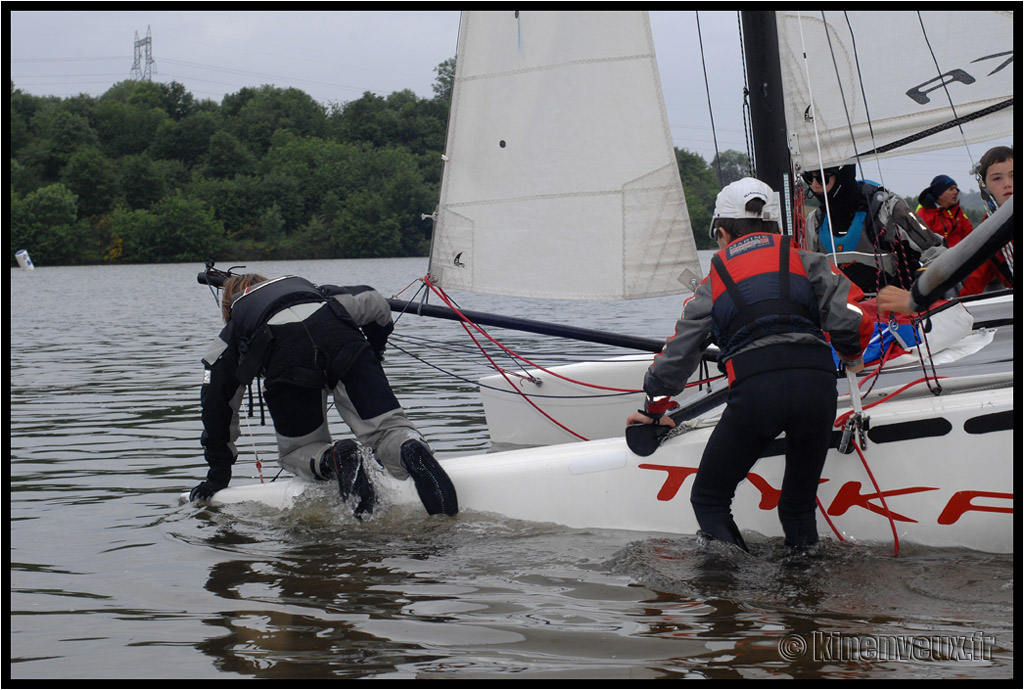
(111, 578)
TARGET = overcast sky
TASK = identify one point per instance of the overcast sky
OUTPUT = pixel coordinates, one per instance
(336, 56)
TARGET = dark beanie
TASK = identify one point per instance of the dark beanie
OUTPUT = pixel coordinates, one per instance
(940, 183)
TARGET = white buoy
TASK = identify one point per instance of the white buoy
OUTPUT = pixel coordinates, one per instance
(24, 260)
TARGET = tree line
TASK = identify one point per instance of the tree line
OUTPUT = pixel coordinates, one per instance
(146, 173)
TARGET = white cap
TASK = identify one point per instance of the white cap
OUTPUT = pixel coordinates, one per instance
(732, 200)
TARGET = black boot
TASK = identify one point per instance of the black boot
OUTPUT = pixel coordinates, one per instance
(342, 462)
(432, 483)
(722, 531)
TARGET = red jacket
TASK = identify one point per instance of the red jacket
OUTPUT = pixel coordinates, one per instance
(949, 223)
(953, 226)
(987, 273)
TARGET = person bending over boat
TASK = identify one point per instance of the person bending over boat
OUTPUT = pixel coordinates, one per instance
(306, 340)
(889, 241)
(765, 304)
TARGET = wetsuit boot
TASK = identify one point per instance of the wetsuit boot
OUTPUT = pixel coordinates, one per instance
(719, 530)
(342, 462)
(435, 489)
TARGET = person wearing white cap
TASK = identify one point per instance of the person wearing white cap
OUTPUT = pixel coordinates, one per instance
(767, 307)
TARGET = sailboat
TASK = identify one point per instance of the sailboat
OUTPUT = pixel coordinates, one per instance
(536, 97)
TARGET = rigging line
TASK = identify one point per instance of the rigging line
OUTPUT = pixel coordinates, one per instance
(711, 112)
(747, 123)
(881, 498)
(814, 121)
(465, 325)
(828, 519)
(863, 95)
(252, 438)
(465, 320)
(452, 304)
(839, 82)
(505, 390)
(841, 420)
(1008, 103)
(945, 85)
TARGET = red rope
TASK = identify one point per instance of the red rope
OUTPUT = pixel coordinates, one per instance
(828, 519)
(466, 323)
(440, 293)
(841, 421)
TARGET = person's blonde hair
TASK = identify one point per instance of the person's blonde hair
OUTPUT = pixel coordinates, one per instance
(232, 287)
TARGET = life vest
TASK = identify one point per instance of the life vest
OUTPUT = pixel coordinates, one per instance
(250, 312)
(759, 287)
(861, 233)
(251, 309)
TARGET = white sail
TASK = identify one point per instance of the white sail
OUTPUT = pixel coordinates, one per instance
(915, 69)
(560, 178)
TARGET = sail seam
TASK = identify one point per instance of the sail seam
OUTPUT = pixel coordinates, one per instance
(557, 66)
(564, 195)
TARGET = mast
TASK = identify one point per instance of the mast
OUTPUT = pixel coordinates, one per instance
(767, 101)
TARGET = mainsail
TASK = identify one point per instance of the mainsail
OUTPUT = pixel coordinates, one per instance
(891, 76)
(560, 178)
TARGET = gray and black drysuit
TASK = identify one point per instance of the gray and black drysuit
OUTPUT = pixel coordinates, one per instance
(305, 340)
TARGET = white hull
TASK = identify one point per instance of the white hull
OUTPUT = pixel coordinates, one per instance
(570, 411)
(941, 463)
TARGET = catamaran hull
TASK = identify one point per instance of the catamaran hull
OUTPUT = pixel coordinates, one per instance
(941, 465)
(587, 400)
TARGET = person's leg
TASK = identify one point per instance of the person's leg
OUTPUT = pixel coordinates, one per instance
(808, 436)
(301, 428)
(366, 402)
(740, 436)
(305, 446)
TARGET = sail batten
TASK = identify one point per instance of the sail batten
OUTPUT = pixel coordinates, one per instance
(560, 178)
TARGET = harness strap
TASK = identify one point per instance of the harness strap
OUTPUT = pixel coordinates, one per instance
(783, 307)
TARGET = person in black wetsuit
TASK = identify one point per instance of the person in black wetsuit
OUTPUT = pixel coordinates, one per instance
(766, 305)
(890, 242)
(307, 340)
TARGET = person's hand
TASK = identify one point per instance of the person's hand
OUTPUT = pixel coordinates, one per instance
(640, 418)
(854, 367)
(892, 298)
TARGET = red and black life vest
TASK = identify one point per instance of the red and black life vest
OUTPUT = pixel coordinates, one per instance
(759, 287)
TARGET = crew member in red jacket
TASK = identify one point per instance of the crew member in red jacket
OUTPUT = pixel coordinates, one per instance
(939, 208)
(766, 305)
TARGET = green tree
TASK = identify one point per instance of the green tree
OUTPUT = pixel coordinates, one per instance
(734, 165)
(91, 177)
(444, 81)
(175, 229)
(45, 223)
(142, 183)
(187, 139)
(367, 228)
(233, 201)
(25, 178)
(125, 129)
(227, 157)
(700, 187)
(253, 115)
(63, 133)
